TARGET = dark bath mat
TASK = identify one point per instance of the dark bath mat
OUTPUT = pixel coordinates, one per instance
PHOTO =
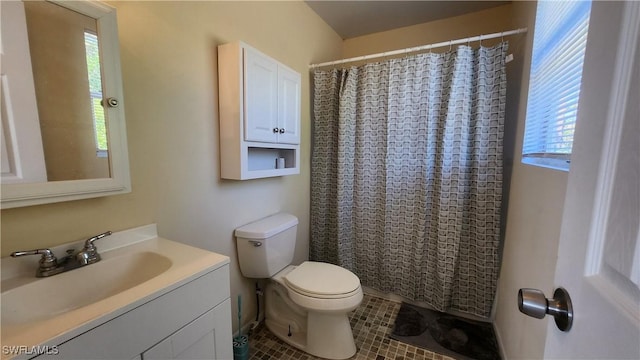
(445, 334)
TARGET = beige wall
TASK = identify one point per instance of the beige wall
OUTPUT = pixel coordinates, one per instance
(168, 54)
(482, 22)
(536, 201)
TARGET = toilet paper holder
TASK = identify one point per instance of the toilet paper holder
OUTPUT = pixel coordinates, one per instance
(532, 302)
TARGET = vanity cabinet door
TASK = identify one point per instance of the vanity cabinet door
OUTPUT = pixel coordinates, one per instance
(207, 337)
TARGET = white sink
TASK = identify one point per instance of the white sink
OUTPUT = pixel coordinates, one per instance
(61, 293)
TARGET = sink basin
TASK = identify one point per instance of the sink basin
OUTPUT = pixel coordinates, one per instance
(52, 296)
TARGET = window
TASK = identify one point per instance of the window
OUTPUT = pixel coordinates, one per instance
(95, 92)
(559, 43)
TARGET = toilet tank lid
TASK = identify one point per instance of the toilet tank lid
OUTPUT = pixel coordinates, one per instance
(267, 227)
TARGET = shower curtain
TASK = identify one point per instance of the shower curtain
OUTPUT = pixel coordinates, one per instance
(407, 175)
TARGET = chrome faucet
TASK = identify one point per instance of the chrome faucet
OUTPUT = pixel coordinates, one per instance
(49, 265)
(89, 254)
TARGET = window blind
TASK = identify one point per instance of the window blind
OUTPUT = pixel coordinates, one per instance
(560, 38)
(95, 91)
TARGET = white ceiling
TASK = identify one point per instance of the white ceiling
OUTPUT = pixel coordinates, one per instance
(355, 18)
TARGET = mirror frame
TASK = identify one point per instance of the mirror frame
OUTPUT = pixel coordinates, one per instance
(18, 195)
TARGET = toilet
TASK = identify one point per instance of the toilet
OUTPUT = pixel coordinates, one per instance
(307, 305)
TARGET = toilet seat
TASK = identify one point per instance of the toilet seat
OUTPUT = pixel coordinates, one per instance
(322, 281)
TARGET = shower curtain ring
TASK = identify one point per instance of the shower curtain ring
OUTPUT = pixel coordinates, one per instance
(450, 44)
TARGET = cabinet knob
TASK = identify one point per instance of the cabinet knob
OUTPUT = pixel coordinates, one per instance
(282, 131)
(112, 102)
(275, 130)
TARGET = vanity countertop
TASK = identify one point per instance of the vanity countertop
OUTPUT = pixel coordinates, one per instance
(186, 264)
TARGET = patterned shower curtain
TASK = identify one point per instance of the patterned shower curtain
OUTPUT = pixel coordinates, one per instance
(407, 175)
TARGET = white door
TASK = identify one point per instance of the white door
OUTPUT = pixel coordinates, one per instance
(599, 253)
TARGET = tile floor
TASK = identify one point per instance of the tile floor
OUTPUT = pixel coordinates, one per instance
(372, 322)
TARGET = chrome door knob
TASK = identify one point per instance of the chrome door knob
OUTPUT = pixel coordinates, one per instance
(532, 302)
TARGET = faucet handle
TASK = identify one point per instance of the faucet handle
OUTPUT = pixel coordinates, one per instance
(89, 254)
(48, 260)
(88, 244)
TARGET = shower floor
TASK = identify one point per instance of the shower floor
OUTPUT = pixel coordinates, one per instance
(446, 334)
(372, 322)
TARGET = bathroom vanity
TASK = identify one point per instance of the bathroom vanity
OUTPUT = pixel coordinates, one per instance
(148, 298)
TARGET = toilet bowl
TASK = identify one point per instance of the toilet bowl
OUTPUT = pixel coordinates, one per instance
(307, 305)
(322, 306)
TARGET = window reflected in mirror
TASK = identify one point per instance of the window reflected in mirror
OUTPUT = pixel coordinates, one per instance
(95, 92)
(65, 57)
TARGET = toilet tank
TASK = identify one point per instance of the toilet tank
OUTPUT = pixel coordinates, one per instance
(266, 246)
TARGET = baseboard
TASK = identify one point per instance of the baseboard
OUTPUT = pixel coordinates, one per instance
(246, 328)
(499, 340)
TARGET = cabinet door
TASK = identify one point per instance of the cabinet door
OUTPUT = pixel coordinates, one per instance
(288, 106)
(260, 97)
(207, 337)
(21, 143)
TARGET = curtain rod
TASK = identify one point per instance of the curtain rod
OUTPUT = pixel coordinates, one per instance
(423, 47)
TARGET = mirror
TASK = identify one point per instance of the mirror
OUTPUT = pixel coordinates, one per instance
(68, 85)
(63, 132)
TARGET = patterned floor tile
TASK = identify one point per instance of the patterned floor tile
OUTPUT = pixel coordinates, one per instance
(371, 322)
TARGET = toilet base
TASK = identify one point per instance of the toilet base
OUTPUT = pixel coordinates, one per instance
(329, 336)
(320, 334)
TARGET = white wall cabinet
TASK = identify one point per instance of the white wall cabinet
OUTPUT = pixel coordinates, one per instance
(192, 321)
(259, 114)
(272, 100)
